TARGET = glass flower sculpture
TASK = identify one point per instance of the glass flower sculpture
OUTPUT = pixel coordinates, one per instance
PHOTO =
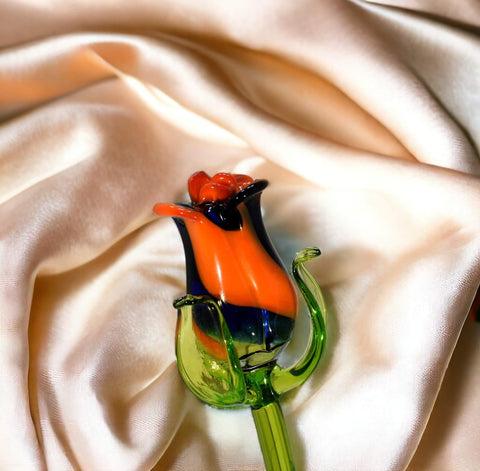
(240, 307)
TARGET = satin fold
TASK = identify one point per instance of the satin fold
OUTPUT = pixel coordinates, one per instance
(363, 117)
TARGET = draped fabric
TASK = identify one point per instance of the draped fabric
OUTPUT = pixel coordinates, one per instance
(364, 118)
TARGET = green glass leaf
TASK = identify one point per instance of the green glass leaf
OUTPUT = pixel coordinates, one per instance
(284, 380)
(208, 363)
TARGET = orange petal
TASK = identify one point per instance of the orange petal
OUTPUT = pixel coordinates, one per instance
(195, 183)
(242, 181)
(172, 210)
(235, 267)
(225, 179)
(214, 192)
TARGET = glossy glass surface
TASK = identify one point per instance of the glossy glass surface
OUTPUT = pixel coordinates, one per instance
(208, 364)
(273, 438)
(240, 308)
(230, 259)
(211, 367)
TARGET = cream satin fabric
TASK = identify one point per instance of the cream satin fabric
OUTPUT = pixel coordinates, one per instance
(363, 116)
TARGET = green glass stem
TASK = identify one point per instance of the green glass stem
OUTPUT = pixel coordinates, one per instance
(273, 438)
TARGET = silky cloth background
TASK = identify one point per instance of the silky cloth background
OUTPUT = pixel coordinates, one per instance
(363, 116)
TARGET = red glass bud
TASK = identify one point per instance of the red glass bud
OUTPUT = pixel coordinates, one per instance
(195, 183)
(211, 192)
(242, 181)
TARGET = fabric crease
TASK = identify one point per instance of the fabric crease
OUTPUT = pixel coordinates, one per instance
(363, 117)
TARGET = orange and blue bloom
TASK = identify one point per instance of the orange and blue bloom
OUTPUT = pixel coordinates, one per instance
(230, 258)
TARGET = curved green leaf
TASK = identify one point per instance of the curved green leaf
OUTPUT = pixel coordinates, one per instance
(208, 364)
(284, 380)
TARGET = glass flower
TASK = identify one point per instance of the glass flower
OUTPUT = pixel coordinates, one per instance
(240, 307)
(230, 258)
